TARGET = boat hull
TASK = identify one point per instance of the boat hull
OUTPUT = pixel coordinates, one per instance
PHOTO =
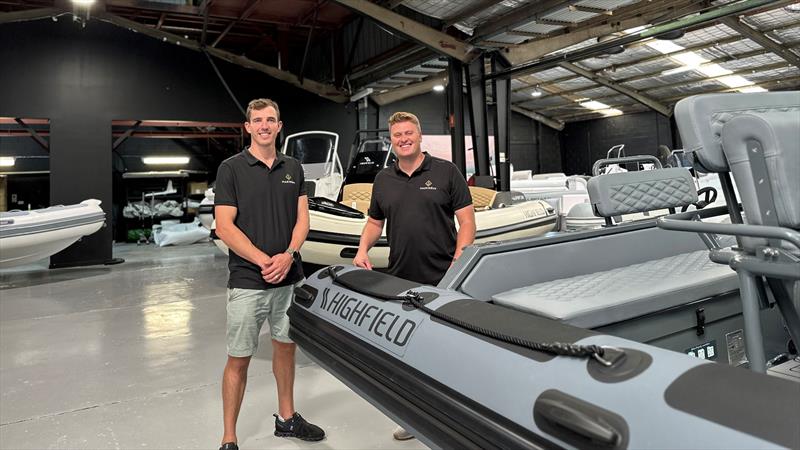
(456, 389)
(29, 236)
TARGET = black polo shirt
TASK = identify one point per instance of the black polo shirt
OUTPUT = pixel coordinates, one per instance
(266, 202)
(419, 212)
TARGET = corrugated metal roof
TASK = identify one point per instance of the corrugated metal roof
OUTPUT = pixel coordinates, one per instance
(608, 5)
(535, 27)
(506, 38)
(568, 16)
(773, 19)
(439, 9)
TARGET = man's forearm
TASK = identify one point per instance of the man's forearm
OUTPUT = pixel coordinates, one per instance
(466, 236)
(370, 235)
(299, 235)
(237, 241)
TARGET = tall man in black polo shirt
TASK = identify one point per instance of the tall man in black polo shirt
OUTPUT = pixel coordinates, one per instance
(261, 208)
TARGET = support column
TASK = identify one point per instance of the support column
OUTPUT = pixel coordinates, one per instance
(477, 114)
(501, 92)
(80, 169)
(455, 107)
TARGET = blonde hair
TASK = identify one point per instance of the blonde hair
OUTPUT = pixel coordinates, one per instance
(261, 103)
(401, 116)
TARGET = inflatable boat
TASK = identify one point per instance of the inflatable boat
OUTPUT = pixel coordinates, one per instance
(28, 236)
(643, 335)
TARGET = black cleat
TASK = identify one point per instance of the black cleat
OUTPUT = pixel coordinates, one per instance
(229, 446)
(297, 427)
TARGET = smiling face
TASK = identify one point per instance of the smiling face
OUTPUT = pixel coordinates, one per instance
(263, 127)
(406, 139)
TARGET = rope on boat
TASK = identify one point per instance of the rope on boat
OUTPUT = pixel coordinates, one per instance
(416, 300)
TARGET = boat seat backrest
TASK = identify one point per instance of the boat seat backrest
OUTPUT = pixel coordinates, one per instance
(482, 198)
(615, 194)
(778, 134)
(357, 195)
(717, 129)
(700, 120)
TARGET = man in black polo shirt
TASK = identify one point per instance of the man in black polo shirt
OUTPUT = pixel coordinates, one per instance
(418, 197)
(261, 209)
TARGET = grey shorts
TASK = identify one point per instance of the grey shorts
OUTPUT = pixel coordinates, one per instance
(247, 311)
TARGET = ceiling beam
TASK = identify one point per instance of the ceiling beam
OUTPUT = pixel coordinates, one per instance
(29, 14)
(322, 89)
(434, 39)
(411, 90)
(540, 47)
(249, 9)
(552, 123)
(632, 93)
(518, 16)
(34, 134)
(761, 39)
(682, 23)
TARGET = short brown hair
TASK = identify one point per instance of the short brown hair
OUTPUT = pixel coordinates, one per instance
(401, 116)
(261, 103)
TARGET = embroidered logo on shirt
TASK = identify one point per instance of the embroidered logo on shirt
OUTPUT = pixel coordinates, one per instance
(428, 186)
(288, 180)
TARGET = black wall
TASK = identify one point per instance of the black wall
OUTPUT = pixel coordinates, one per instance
(82, 78)
(585, 142)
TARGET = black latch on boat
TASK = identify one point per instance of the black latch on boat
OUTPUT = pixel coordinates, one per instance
(700, 313)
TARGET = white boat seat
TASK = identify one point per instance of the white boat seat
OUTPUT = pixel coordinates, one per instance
(602, 298)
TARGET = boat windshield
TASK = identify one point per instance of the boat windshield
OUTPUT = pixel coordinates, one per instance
(314, 151)
(372, 157)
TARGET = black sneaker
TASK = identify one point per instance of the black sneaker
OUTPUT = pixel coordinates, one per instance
(297, 427)
(229, 446)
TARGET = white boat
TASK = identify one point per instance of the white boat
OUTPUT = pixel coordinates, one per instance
(205, 212)
(336, 227)
(317, 151)
(28, 236)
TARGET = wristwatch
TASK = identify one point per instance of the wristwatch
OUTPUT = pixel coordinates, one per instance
(290, 251)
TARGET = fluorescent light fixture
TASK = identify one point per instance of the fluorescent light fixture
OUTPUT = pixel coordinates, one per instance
(753, 89)
(693, 61)
(677, 70)
(594, 105)
(165, 160)
(664, 46)
(438, 88)
(735, 81)
(83, 2)
(6, 161)
(713, 70)
(610, 112)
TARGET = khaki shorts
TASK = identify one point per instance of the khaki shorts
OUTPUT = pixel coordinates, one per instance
(247, 310)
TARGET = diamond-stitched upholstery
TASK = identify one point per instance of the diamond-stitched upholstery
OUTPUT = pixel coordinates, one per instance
(482, 198)
(633, 192)
(357, 195)
(602, 298)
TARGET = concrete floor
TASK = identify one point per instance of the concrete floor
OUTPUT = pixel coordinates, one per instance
(130, 357)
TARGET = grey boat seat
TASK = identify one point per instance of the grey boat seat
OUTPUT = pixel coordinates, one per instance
(602, 298)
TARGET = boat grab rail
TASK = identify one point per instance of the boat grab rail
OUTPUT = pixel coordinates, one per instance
(605, 355)
(600, 163)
